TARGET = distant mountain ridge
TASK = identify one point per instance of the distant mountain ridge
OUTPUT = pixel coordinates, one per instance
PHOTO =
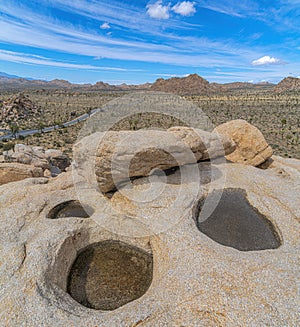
(288, 84)
(8, 76)
(190, 85)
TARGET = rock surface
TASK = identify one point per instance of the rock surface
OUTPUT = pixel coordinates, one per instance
(121, 155)
(51, 160)
(196, 281)
(12, 172)
(251, 146)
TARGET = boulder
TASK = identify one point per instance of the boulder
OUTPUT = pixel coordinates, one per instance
(251, 146)
(38, 157)
(118, 156)
(12, 172)
(196, 281)
(58, 159)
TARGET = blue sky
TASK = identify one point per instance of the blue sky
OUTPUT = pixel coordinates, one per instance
(140, 41)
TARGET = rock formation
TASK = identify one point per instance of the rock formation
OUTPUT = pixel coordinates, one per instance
(17, 108)
(222, 250)
(125, 154)
(195, 281)
(288, 84)
(52, 162)
(190, 85)
(251, 146)
(12, 172)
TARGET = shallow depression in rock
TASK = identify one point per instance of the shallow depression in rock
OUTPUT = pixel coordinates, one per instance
(236, 223)
(72, 208)
(109, 274)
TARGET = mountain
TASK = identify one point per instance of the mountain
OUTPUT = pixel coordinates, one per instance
(16, 108)
(12, 82)
(288, 84)
(2, 74)
(190, 85)
(9, 76)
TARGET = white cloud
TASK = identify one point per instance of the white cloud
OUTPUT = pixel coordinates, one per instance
(105, 26)
(266, 60)
(185, 8)
(158, 11)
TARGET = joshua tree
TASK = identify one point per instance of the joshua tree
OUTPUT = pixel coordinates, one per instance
(41, 126)
(14, 129)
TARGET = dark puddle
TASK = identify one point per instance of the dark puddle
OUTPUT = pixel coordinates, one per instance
(236, 223)
(109, 274)
(71, 208)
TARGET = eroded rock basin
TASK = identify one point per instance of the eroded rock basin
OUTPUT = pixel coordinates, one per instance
(72, 208)
(236, 223)
(109, 274)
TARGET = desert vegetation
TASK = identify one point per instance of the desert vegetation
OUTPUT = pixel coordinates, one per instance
(277, 115)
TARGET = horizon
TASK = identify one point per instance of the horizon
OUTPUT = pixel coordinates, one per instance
(86, 41)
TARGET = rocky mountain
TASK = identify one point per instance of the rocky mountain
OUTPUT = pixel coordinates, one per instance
(235, 86)
(16, 108)
(288, 84)
(11, 82)
(192, 84)
(5, 75)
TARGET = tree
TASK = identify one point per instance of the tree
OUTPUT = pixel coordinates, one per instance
(14, 129)
(41, 126)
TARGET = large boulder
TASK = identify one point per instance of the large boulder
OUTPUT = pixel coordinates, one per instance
(55, 269)
(28, 155)
(118, 156)
(251, 146)
(57, 159)
(12, 172)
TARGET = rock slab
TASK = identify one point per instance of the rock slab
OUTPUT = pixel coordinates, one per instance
(119, 156)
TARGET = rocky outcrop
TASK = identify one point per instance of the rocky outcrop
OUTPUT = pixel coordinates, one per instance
(51, 160)
(196, 281)
(57, 158)
(190, 85)
(122, 155)
(12, 172)
(251, 146)
(288, 84)
(17, 108)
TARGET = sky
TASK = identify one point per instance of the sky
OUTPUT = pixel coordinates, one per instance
(133, 42)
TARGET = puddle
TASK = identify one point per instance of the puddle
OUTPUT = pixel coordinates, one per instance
(109, 274)
(236, 223)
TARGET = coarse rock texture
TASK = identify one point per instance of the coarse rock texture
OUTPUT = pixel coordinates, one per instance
(51, 160)
(251, 146)
(57, 159)
(196, 281)
(12, 172)
(121, 155)
(288, 84)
